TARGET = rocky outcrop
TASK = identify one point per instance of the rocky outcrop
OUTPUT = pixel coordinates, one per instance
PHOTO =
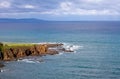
(17, 52)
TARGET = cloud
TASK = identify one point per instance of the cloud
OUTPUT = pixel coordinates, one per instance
(68, 8)
(5, 4)
(81, 12)
(92, 1)
(23, 8)
(65, 6)
(28, 6)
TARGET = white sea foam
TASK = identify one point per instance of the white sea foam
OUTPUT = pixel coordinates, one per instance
(29, 61)
(67, 46)
(60, 54)
(72, 47)
(4, 70)
(1, 70)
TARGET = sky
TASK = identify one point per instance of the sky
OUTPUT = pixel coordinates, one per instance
(69, 10)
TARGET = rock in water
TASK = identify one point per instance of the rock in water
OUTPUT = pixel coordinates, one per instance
(51, 52)
(1, 65)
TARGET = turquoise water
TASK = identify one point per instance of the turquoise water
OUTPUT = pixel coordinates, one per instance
(96, 45)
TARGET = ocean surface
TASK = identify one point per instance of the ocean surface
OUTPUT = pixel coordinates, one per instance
(96, 48)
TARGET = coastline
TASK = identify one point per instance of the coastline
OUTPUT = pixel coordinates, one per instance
(15, 51)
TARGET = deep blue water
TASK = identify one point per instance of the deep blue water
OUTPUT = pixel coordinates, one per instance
(97, 54)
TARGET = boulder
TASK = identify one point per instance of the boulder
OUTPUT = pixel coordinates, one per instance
(68, 51)
(53, 45)
(52, 52)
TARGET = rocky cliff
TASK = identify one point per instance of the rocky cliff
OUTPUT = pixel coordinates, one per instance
(13, 53)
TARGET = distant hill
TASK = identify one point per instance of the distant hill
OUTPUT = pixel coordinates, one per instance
(21, 20)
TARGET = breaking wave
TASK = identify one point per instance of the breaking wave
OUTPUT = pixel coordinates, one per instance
(3, 70)
(72, 47)
(68, 46)
(32, 60)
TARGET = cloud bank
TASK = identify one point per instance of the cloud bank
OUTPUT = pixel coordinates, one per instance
(17, 8)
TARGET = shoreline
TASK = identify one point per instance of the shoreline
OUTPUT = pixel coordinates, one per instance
(15, 51)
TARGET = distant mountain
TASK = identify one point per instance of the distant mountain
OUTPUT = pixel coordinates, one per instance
(21, 20)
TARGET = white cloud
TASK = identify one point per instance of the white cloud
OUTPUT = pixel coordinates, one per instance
(65, 5)
(5, 4)
(68, 8)
(93, 12)
(92, 1)
(82, 12)
(28, 6)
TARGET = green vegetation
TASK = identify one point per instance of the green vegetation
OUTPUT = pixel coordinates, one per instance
(19, 44)
(1, 47)
(14, 45)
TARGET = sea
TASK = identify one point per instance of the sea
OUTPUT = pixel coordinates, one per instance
(96, 46)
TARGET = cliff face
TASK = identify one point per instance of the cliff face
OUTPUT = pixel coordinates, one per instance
(1, 51)
(17, 52)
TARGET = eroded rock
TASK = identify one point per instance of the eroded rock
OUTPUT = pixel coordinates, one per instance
(14, 53)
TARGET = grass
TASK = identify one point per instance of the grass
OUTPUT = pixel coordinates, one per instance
(1, 48)
(14, 45)
(19, 44)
